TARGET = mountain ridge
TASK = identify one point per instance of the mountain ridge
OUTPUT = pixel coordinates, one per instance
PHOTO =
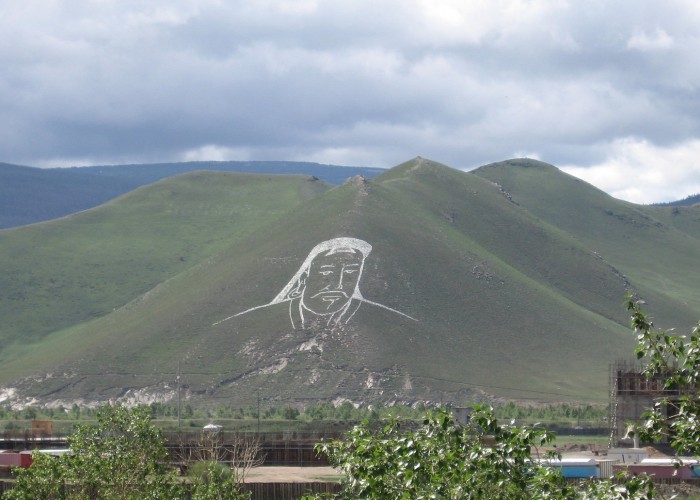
(514, 297)
(29, 194)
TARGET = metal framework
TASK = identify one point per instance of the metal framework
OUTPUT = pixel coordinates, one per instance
(631, 394)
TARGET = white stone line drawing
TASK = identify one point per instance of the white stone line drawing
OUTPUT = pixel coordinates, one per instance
(326, 288)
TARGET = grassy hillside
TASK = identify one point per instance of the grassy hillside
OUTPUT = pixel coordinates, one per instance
(506, 303)
(513, 277)
(655, 248)
(29, 195)
(64, 272)
(151, 172)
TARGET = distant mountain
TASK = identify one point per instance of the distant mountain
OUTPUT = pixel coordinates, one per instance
(687, 201)
(425, 283)
(29, 195)
(147, 173)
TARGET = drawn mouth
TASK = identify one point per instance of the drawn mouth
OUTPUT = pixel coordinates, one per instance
(330, 295)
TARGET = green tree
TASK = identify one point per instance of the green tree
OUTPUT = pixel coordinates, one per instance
(188, 412)
(45, 479)
(214, 481)
(676, 359)
(442, 459)
(121, 457)
(345, 410)
(319, 411)
(290, 413)
(30, 413)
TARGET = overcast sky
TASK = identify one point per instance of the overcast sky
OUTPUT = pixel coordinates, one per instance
(606, 91)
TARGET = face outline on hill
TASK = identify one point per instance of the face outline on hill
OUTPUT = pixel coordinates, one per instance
(331, 281)
(325, 290)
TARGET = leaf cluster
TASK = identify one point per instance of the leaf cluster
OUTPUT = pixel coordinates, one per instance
(676, 360)
(122, 457)
(215, 481)
(482, 460)
(442, 459)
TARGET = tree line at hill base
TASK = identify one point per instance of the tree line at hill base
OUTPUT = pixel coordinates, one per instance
(313, 416)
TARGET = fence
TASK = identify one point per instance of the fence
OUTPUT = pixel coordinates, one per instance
(260, 491)
(288, 491)
(276, 448)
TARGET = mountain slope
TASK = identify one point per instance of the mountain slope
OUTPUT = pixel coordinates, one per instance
(151, 172)
(504, 282)
(655, 248)
(29, 195)
(64, 272)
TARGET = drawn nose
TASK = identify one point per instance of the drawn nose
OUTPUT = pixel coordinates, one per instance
(339, 283)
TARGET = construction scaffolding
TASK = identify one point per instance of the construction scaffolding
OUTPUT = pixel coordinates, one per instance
(632, 393)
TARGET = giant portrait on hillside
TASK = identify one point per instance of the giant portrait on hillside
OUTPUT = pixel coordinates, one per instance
(325, 290)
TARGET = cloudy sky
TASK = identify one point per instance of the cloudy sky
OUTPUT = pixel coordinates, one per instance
(607, 91)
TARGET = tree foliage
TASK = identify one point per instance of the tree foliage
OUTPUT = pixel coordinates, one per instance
(442, 459)
(232, 458)
(482, 460)
(676, 359)
(123, 456)
(215, 481)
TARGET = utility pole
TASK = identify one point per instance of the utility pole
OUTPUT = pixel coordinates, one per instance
(258, 412)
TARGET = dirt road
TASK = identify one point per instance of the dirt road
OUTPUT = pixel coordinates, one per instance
(291, 474)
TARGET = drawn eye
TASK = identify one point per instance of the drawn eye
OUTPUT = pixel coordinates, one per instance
(350, 271)
(325, 273)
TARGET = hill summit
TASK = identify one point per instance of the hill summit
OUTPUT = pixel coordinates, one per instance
(424, 283)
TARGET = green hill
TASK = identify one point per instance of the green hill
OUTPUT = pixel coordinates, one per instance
(504, 282)
(64, 272)
(29, 195)
(656, 248)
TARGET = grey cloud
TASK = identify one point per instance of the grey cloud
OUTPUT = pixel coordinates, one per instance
(381, 81)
